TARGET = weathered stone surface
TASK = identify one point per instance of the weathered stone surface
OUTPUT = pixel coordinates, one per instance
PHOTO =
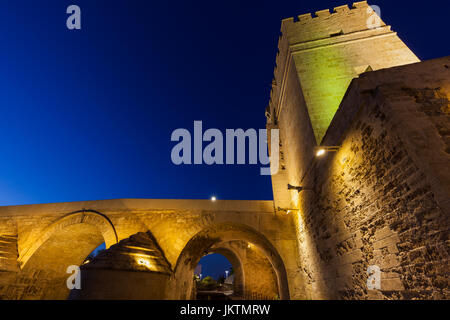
(327, 51)
(139, 252)
(171, 235)
(384, 197)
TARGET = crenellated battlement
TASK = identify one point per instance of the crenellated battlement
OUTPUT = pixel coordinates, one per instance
(327, 23)
(325, 51)
(324, 24)
(344, 9)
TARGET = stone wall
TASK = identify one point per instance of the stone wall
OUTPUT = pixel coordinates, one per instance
(384, 198)
(260, 278)
(42, 241)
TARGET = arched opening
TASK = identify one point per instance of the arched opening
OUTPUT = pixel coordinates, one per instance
(63, 245)
(263, 273)
(214, 278)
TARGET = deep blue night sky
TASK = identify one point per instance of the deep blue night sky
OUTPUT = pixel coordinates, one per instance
(87, 115)
(214, 265)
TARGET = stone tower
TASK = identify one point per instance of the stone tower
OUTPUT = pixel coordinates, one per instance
(318, 56)
(380, 199)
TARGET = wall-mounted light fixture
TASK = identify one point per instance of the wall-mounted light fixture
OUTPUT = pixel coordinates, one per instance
(321, 150)
(298, 188)
(144, 262)
(287, 210)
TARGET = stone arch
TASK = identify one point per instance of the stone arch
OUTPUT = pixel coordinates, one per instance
(65, 242)
(90, 217)
(235, 260)
(202, 242)
(258, 279)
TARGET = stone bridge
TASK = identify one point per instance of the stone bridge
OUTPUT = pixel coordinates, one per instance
(152, 246)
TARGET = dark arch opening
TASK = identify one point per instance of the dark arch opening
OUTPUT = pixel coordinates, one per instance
(214, 238)
(214, 277)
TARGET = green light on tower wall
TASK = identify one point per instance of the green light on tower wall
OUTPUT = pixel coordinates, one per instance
(325, 75)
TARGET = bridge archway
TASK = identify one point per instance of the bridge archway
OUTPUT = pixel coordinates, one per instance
(86, 217)
(236, 262)
(213, 238)
(66, 242)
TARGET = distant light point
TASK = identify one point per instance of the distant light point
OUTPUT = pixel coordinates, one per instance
(213, 198)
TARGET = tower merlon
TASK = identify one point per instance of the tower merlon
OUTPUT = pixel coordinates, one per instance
(322, 13)
(344, 9)
(341, 9)
(304, 17)
(360, 4)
